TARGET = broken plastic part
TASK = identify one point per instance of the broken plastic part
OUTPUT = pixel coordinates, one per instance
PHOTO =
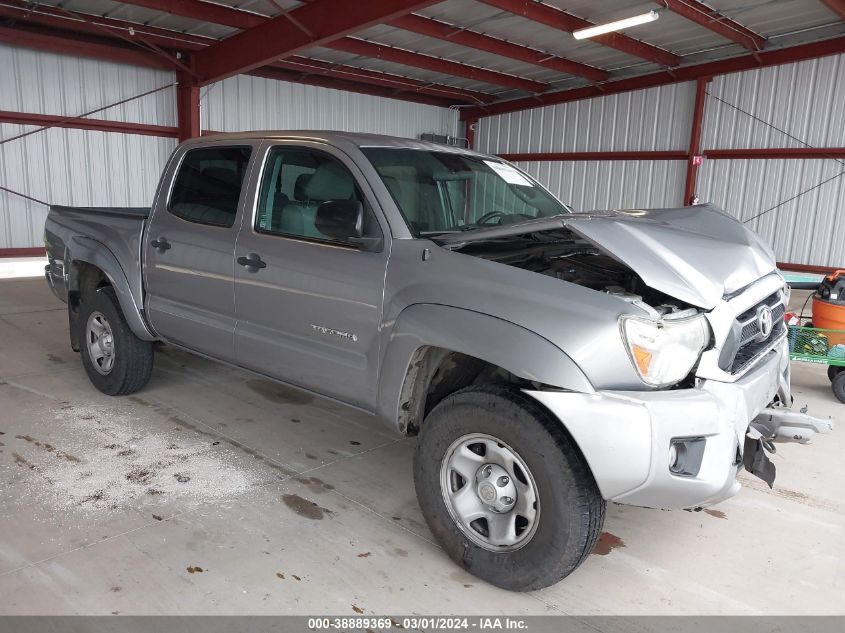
(757, 462)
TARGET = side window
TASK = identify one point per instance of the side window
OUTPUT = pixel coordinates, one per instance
(208, 185)
(295, 183)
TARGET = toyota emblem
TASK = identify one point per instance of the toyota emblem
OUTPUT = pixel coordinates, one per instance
(765, 321)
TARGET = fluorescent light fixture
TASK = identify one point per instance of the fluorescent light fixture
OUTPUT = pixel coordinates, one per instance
(601, 29)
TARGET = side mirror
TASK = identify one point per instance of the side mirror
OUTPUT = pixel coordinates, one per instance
(340, 219)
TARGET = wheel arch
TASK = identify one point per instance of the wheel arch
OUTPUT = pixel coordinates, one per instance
(434, 350)
(92, 265)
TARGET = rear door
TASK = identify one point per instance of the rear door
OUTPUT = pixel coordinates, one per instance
(309, 313)
(190, 244)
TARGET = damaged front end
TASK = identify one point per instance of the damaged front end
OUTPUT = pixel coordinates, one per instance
(777, 424)
(704, 333)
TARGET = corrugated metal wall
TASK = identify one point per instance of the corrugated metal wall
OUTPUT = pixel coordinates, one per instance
(805, 101)
(81, 167)
(44, 83)
(254, 103)
(76, 167)
(654, 119)
(592, 185)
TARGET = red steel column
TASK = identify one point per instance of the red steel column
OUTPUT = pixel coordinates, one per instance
(694, 157)
(187, 106)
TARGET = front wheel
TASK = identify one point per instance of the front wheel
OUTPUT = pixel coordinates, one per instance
(117, 362)
(505, 490)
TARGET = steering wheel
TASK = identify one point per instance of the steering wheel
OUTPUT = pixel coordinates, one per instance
(485, 219)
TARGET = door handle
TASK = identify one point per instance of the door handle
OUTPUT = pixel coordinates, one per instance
(253, 261)
(161, 244)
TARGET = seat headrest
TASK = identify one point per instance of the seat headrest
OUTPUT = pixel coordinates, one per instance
(221, 177)
(331, 181)
(299, 186)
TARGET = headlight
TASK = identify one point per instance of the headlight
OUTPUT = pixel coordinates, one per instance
(664, 352)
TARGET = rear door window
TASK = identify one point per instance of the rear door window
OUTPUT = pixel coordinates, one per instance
(208, 185)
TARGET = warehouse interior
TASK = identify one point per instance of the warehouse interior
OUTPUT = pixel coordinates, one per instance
(298, 505)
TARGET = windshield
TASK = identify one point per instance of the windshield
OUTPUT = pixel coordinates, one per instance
(443, 192)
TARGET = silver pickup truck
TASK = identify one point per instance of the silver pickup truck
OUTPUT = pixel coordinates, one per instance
(549, 361)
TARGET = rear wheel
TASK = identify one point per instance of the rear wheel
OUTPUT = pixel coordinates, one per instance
(117, 362)
(505, 490)
(838, 386)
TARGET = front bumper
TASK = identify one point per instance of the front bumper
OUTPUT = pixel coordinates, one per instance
(626, 436)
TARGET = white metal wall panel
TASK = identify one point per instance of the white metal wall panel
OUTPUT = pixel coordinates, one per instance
(254, 103)
(597, 185)
(806, 230)
(75, 167)
(44, 83)
(653, 119)
(806, 100)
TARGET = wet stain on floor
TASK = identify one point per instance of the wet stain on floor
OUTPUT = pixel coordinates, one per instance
(607, 543)
(365, 555)
(280, 575)
(233, 443)
(315, 485)
(305, 508)
(276, 392)
(357, 609)
(55, 359)
(20, 461)
(49, 448)
(715, 513)
(193, 569)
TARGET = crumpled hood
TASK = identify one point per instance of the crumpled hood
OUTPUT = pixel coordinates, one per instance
(695, 254)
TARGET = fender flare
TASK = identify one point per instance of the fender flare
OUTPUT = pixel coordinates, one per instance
(90, 251)
(497, 341)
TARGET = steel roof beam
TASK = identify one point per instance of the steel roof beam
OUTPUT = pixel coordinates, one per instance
(94, 25)
(235, 18)
(837, 6)
(398, 82)
(436, 64)
(30, 34)
(479, 41)
(555, 18)
(712, 20)
(749, 61)
(63, 44)
(306, 26)
(280, 74)
(203, 11)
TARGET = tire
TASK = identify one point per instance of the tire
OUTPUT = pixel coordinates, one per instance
(127, 368)
(833, 371)
(569, 513)
(838, 386)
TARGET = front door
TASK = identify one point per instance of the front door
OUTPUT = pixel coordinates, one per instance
(308, 306)
(189, 254)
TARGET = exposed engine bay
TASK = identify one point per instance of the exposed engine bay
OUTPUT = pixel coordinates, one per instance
(565, 256)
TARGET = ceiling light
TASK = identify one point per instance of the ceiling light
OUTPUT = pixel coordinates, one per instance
(601, 29)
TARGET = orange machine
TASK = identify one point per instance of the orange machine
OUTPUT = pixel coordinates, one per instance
(829, 307)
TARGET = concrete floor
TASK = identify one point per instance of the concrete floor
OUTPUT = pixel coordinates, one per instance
(213, 492)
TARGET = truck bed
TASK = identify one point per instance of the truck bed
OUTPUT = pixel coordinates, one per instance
(117, 229)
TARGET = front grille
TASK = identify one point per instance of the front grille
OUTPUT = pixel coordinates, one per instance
(749, 346)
